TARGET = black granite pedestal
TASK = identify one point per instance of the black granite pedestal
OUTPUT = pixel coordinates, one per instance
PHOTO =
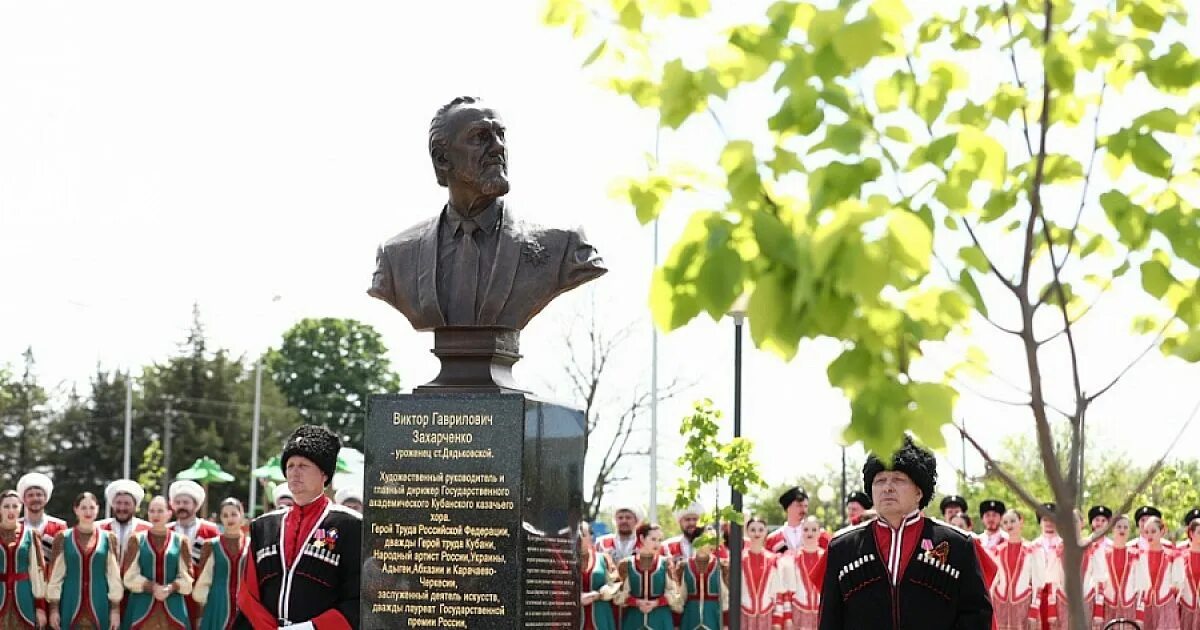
(471, 505)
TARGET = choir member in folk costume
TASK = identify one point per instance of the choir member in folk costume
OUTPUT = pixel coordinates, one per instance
(1013, 591)
(85, 589)
(1048, 554)
(680, 547)
(1165, 568)
(1098, 518)
(857, 503)
(765, 588)
(805, 594)
(647, 588)
(222, 563)
(702, 581)
(903, 570)
(598, 576)
(281, 497)
(1140, 516)
(1189, 592)
(1117, 580)
(786, 539)
(186, 498)
(788, 536)
(303, 571)
(622, 543)
(350, 497)
(952, 505)
(991, 513)
(35, 490)
(156, 569)
(22, 569)
(123, 497)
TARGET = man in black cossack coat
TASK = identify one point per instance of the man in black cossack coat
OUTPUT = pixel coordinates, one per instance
(903, 571)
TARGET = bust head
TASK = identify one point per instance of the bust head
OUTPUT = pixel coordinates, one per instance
(467, 147)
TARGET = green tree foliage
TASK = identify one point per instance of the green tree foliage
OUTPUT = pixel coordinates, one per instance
(884, 149)
(23, 416)
(327, 367)
(88, 439)
(897, 175)
(207, 397)
(707, 461)
(150, 472)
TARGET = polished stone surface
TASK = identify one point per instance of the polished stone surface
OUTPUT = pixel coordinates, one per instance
(470, 508)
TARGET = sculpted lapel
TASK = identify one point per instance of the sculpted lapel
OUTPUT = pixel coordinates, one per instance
(504, 270)
(427, 274)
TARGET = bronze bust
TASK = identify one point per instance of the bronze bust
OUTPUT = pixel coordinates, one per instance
(475, 263)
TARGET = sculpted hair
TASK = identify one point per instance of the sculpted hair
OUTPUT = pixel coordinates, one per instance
(755, 519)
(1017, 513)
(437, 132)
(234, 502)
(10, 493)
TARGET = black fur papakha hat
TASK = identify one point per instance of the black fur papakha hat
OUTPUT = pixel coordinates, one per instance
(912, 460)
(316, 443)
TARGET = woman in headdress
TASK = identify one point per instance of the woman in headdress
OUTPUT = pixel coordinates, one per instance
(222, 561)
(599, 579)
(647, 589)
(22, 569)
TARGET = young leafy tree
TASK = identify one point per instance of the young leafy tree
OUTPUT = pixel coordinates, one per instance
(917, 176)
(327, 367)
(708, 460)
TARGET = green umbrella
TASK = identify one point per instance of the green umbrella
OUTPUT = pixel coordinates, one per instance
(271, 471)
(205, 471)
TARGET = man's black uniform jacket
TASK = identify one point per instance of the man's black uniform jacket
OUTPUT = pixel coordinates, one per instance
(932, 594)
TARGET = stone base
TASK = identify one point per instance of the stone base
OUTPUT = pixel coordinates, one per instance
(470, 512)
(474, 359)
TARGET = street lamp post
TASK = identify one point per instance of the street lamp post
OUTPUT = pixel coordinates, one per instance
(735, 528)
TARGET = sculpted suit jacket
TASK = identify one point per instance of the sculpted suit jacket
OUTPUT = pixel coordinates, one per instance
(931, 594)
(533, 265)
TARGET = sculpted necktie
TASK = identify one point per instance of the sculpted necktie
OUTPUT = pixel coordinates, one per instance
(466, 276)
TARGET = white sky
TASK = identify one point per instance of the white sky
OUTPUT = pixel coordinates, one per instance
(156, 154)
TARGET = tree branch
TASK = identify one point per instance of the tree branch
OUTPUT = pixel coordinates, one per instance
(949, 276)
(1153, 344)
(1087, 177)
(993, 465)
(1150, 474)
(1012, 56)
(1041, 424)
(1082, 314)
(995, 271)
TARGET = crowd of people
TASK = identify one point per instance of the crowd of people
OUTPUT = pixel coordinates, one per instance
(931, 573)
(892, 567)
(294, 567)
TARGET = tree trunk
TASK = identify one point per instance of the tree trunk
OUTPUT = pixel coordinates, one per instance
(1080, 612)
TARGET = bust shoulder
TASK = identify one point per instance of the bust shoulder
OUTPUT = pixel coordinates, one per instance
(412, 235)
